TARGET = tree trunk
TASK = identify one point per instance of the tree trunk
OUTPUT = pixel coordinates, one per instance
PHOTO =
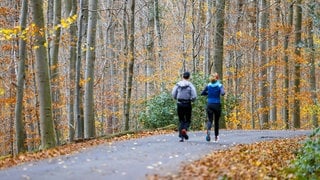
(72, 11)
(125, 65)
(131, 63)
(254, 23)
(54, 66)
(184, 46)
(89, 121)
(46, 121)
(20, 129)
(286, 60)
(263, 83)
(150, 50)
(49, 18)
(218, 44)
(78, 107)
(296, 74)
(160, 46)
(273, 69)
(111, 82)
(207, 39)
(311, 46)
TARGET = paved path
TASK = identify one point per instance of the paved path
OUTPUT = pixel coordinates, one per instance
(133, 159)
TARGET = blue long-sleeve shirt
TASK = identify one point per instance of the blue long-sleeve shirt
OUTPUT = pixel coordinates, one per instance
(213, 91)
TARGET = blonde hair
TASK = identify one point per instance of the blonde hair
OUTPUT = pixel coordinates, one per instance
(214, 77)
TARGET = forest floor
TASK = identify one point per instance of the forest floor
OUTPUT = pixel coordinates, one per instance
(241, 154)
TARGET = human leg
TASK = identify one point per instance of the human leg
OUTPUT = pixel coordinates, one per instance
(181, 118)
(209, 122)
(184, 113)
(217, 113)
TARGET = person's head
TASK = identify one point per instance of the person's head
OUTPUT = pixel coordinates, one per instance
(186, 75)
(214, 77)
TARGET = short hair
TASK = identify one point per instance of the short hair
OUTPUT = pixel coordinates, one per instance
(214, 77)
(186, 75)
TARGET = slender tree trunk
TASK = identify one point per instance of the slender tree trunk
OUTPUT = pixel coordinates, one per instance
(131, 63)
(263, 83)
(72, 68)
(160, 46)
(20, 129)
(54, 66)
(89, 121)
(207, 39)
(218, 38)
(111, 82)
(311, 46)
(254, 33)
(286, 60)
(125, 66)
(184, 48)
(297, 76)
(78, 107)
(150, 49)
(46, 121)
(49, 18)
(273, 69)
(218, 44)
(193, 32)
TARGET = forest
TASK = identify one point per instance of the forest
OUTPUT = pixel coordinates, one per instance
(80, 69)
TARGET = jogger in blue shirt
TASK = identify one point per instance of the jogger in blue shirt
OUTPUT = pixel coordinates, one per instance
(213, 91)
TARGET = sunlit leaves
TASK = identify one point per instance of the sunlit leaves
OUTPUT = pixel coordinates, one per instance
(264, 160)
(2, 91)
(11, 33)
(8, 34)
(65, 23)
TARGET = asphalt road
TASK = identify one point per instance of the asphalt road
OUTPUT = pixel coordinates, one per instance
(133, 159)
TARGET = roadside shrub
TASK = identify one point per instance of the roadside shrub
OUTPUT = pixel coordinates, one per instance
(199, 115)
(160, 111)
(307, 163)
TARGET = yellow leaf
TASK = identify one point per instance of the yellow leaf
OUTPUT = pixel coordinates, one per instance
(2, 91)
(239, 34)
(258, 163)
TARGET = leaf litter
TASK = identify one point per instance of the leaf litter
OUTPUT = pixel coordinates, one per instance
(261, 160)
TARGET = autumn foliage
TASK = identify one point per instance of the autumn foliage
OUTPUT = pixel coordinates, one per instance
(262, 160)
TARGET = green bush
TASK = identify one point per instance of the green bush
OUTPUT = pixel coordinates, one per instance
(161, 110)
(199, 115)
(307, 163)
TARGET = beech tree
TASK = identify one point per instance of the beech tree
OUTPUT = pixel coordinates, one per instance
(20, 125)
(89, 121)
(288, 30)
(54, 66)
(71, 9)
(46, 121)
(160, 43)
(130, 64)
(297, 65)
(78, 89)
(312, 50)
(263, 87)
(218, 40)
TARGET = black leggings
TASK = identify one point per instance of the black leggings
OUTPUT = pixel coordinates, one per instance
(214, 109)
(184, 114)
